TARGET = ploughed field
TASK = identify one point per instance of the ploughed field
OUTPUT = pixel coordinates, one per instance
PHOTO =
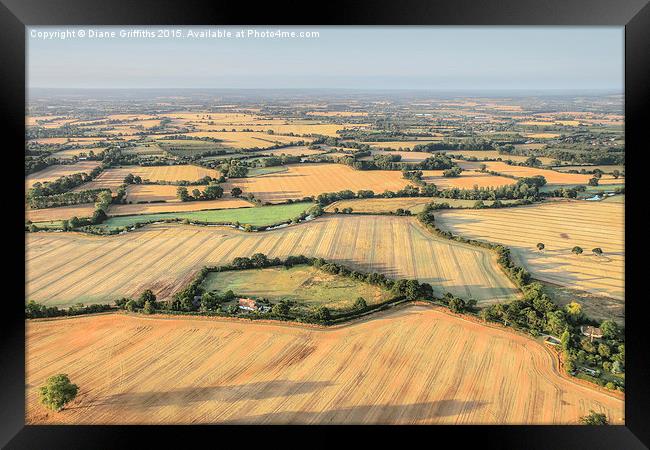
(560, 226)
(409, 365)
(66, 268)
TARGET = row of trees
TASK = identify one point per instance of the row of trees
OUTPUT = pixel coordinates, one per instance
(64, 199)
(521, 190)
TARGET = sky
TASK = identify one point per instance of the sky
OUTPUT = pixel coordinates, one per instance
(428, 58)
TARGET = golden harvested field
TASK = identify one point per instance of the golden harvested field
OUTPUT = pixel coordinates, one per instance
(409, 365)
(153, 208)
(48, 121)
(304, 180)
(560, 226)
(466, 180)
(552, 176)
(113, 178)
(381, 205)
(154, 192)
(386, 205)
(66, 268)
(609, 179)
(57, 171)
(60, 213)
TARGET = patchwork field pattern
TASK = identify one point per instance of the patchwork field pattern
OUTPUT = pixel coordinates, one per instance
(412, 365)
(66, 268)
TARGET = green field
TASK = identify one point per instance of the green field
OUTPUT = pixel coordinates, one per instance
(50, 225)
(257, 171)
(187, 147)
(588, 190)
(306, 285)
(261, 216)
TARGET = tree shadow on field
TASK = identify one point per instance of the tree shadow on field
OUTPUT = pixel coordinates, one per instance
(224, 394)
(364, 414)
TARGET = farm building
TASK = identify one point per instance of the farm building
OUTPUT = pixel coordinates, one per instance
(591, 332)
(248, 304)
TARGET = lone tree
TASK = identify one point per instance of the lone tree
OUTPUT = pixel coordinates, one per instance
(57, 391)
(594, 418)
(597, 251)
(616, 173)
(540, 246)
(577, 250)
(236, 192)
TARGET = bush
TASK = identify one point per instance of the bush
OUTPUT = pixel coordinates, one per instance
(57, 391)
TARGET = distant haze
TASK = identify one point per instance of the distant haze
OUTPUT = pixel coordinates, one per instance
(430, 58)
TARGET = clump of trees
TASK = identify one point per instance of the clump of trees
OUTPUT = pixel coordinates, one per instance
(234, 169)
(594, 418)
(453, 172)
(210, 192)
(57, 392)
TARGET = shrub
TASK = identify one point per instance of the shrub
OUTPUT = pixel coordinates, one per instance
(57, 391)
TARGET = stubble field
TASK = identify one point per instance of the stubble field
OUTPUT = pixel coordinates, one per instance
(560, 226)
(312, 179)
(412, 365)
(59, 170)
(60, 213)
(66, 268)
(113, 178)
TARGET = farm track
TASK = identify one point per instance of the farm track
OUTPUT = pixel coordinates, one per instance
(66, 268)
(408, 365)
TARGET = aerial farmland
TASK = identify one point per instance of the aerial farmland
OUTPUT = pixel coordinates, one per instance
(222, 259)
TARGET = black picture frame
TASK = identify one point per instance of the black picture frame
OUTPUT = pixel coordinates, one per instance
(15, 15)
